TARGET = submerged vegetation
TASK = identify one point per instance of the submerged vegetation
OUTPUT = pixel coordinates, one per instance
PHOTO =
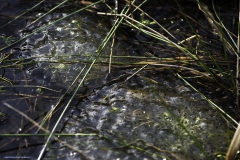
(201, 49)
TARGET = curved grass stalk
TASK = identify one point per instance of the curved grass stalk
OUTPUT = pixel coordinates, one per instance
(234, 146)
(185, 50)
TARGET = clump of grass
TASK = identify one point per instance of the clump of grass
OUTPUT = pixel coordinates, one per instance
(199, 59)
(196, 60)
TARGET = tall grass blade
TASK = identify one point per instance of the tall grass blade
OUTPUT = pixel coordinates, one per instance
(234, 146)
(209, 101)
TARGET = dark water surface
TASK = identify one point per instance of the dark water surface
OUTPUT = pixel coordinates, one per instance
(150, 116)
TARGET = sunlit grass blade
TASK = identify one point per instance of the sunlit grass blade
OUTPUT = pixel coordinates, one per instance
(210, 102)
(234, 146)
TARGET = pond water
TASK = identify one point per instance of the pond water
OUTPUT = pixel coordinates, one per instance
(153, 115)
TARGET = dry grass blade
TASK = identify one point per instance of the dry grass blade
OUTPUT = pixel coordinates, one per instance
(136, 72)
(217, 27)
(234, 146)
